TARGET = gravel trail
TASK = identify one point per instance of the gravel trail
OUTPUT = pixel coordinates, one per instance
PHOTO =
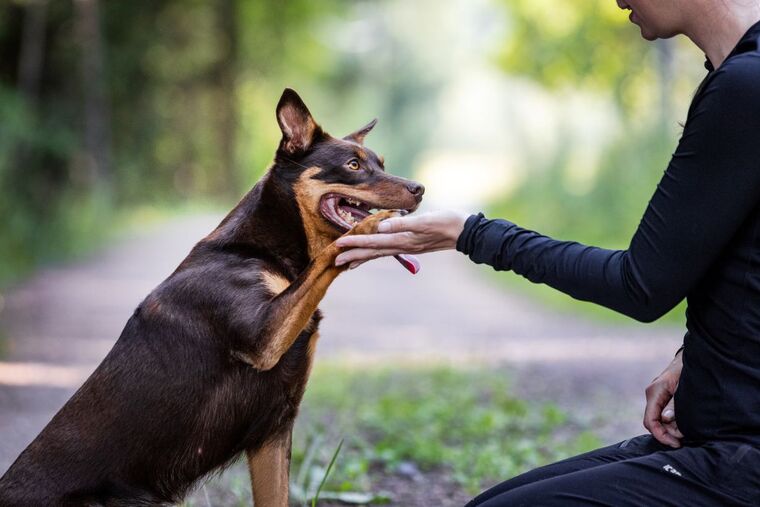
(57, 326)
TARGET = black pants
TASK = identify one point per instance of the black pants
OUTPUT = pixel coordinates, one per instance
(639, 472)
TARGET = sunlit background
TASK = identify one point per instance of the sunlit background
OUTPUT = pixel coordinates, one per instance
(113, 106)
(120, 116)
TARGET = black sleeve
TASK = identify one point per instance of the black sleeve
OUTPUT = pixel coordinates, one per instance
(709, 187)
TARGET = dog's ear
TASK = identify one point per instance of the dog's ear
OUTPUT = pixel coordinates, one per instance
(299, 130)
(359, 135)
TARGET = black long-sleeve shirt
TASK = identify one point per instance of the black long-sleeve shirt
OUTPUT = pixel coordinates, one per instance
(699, 239)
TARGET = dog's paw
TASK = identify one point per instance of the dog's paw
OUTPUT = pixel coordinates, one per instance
(369, 224)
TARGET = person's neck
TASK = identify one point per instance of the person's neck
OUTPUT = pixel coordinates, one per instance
(717, 33)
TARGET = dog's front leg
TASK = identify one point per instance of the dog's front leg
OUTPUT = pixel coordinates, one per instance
(269, 468)
(280, 321)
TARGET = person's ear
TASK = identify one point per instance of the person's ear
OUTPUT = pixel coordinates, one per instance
(359, 135)
(299, 130)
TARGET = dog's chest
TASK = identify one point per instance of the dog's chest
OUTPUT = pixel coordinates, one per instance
(300, 357)
(276, 284)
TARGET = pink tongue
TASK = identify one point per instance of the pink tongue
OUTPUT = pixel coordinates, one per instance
(410, 262)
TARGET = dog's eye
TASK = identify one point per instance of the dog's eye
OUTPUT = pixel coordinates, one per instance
(353, 164)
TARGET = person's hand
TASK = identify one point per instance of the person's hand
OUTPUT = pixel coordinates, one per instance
(659, 415)
(428, 232)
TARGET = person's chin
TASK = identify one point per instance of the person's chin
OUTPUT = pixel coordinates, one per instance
(647, 35)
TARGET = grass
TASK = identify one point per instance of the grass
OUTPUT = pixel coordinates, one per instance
(463, 428)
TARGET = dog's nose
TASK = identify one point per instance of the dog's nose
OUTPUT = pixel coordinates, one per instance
(415, 188)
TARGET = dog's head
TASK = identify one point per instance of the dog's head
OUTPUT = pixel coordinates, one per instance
(336, 182)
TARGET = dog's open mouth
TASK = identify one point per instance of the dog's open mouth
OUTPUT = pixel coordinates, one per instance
(344, 212)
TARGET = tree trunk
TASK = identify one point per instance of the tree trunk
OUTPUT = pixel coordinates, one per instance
(97, 132)
(32, 50)
(226, 73)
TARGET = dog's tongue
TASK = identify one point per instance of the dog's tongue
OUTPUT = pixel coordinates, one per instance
(410, 262)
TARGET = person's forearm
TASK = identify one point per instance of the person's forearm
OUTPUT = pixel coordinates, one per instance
(583, 272)
(709, 188)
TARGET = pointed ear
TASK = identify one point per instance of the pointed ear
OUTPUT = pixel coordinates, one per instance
(359, 135)
(299, 130)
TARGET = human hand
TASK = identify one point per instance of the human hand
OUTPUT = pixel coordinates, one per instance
(659, 414)
(428, 232)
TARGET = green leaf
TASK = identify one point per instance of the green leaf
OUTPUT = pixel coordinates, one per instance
(327, 473)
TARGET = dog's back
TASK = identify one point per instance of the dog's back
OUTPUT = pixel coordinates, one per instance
(169, 403)
(215, 361)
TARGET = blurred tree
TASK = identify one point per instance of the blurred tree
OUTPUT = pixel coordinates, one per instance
(97, 131)
(584, 43)
(590, 46)
(226, 76)
(32, 47)
(152, 116)
(108, 105)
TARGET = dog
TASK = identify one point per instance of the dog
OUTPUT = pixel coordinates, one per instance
(214, 362)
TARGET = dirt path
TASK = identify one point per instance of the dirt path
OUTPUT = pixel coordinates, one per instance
(60, 324)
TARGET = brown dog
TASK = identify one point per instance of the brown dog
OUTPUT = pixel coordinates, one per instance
(215, 360)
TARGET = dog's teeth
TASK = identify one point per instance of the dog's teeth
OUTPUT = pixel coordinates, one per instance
(347, 217)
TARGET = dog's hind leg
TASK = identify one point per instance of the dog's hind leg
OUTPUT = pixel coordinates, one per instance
(269, 467)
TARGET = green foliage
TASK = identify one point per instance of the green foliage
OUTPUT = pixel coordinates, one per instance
(188, 96)
(585, 43)
(606, 214)
(464, 426)
(464, 423)
(41, 219)
(589, 46)
(327, 474)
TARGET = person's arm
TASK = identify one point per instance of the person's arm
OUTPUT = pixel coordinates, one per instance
(710, 186)
(708, 189)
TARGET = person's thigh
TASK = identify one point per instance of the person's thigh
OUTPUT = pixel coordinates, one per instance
(631, 448)
(706, 476)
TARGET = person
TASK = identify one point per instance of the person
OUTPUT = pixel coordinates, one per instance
(699, 239)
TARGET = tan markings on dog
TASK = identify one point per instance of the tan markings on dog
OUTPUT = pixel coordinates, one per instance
(362, 154)
(292, 312)
(297, 316)
(311, 352)
(246, 358)
(268, 468)
(274, 282)
(312, 346)
(381, 159)
(390, 192)
(308, 194)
